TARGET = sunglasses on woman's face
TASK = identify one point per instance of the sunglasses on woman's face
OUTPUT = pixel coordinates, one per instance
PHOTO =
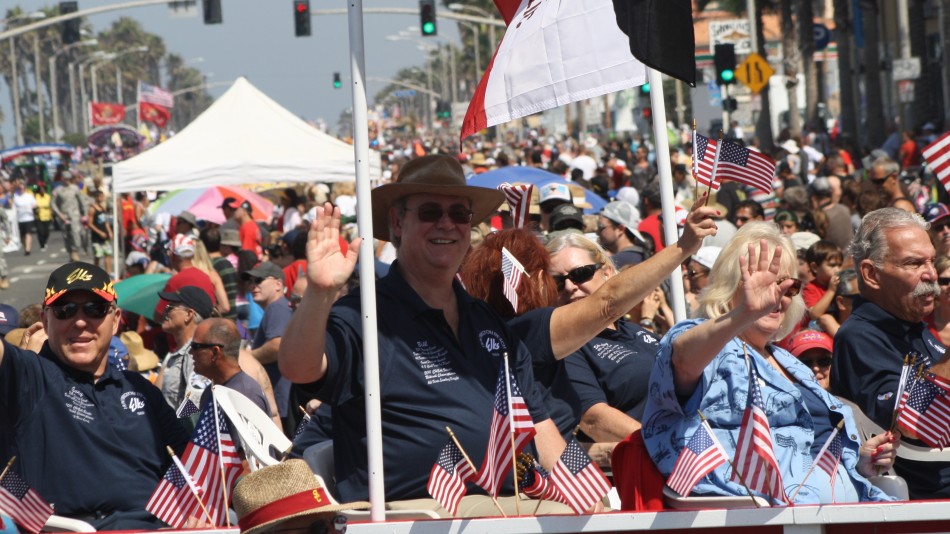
(795, 289)
(91, 309)
(577, 275)
(821, 362)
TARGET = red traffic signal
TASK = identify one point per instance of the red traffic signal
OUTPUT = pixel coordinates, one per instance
(302, 18)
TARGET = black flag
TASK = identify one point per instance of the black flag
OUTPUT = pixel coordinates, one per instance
(661, 35)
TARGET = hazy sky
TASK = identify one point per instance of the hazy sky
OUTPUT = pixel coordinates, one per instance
(256, 40)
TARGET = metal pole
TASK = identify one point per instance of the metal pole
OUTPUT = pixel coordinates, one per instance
(15, 89)
(678, 298)
(70, 69)
(39, 86)
(82, 100)
(54, 99)
(374, 438)
(118, 85)
(429, 94)
(93, 79)
(455, 83)
(753, 34)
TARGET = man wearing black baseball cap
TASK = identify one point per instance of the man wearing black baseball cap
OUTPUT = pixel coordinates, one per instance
(186, 308)
(71, 418)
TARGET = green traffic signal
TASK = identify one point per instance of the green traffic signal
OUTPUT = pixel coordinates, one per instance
(428, 28)
(645, 88)
(728, 75)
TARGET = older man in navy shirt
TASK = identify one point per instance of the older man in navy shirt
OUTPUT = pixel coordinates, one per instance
(894, 258)
(89, 438)
(440, 349)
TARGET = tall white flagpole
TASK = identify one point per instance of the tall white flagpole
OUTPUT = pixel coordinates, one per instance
(374, 435)
(670, 233)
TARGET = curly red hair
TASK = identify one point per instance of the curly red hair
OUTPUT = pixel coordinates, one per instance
(481, 272)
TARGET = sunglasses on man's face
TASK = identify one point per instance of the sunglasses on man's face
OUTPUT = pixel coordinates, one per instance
(577, 275)
(943, 282)
(196, 346)
(91, 309)
(430, 213)
(880, 181)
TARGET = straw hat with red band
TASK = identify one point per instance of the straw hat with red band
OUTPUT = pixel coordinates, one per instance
(78, 275)
(432, 175)
(280, 492)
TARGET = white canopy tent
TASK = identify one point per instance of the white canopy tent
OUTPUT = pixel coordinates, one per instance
(244, 137)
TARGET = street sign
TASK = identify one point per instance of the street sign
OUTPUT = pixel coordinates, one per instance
(905, 91)
(906, 69)
(754, 72)
(822, 36)
(736, 32)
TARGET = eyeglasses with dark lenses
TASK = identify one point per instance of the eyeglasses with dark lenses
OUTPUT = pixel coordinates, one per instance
(692, 273)
(943, 282)
(880, 181)
(795, 288)
(196, 346)
(817, 362)
(91, 309)
(577, 275)
(430, 213)
(743, 218)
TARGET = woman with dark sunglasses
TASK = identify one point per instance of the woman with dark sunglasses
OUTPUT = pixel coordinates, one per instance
(939, 321)
(721, 365)
(552, 333)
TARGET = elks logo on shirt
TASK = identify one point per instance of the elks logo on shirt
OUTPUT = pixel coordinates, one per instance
(649, 338)
(492, 342)
(134, 402)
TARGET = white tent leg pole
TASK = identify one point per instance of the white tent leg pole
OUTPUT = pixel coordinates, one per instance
(374, 436)
(670, 233)
(116, 224)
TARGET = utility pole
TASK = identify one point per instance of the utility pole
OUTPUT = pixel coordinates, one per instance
(15, 89)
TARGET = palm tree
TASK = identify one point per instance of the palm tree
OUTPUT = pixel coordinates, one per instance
(806, 47)
(843, 34)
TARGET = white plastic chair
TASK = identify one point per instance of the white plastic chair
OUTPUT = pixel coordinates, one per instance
(263, 442)
(58, 523)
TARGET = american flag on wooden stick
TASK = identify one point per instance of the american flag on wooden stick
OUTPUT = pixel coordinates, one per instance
(702, 454)
(937, 155)
(755, 459)
(23, 503)
(512, 271)
(579, 482)
(704, 157)
(926, 411)
(745, 166)
(519, 200)
(448, 477)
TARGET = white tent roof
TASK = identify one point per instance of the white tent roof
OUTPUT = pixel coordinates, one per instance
(244, 137)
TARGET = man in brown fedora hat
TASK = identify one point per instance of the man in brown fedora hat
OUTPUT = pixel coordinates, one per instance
(439, 349)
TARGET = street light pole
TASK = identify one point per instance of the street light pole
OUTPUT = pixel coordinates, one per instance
(482, 12)
(54, 100)
(15, 89)
(39, 87)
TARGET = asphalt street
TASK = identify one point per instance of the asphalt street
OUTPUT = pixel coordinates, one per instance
(28, 274)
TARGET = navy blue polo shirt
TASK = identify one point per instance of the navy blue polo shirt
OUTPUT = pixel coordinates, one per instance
(88, 447)
(534, 328)
(429, 379)
(869, 351)
(614, 368)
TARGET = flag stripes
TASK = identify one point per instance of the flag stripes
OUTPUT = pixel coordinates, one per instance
(23, 503)
(704, 157)
(519, 201)
(702, 454)
(512, 271)
(448, 477)
(937, 155)
(755, 458)
(579, 482)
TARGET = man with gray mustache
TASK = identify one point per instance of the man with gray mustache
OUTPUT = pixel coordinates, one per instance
(897, 282)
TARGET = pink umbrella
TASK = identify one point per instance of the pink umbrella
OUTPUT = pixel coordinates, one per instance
(206, 203)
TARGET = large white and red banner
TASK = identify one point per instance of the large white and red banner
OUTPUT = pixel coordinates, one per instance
(554, 52)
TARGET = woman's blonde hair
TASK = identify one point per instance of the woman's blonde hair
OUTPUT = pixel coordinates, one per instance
(201, 260)
(716, 298)
(563, 240)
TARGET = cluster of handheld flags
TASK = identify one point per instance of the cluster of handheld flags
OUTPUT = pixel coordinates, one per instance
(715, 161)
(755, 465)
(575, 480)
(22, 503)
(200, 484)
(923, 404)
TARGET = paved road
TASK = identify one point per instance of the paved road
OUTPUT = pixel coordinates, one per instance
(28, 274)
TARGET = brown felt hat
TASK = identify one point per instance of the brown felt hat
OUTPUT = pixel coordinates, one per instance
(436, 175)
(280, 492)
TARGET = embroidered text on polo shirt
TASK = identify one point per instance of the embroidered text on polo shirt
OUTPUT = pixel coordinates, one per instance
(78, 405)
(434, 363)
(134, 402)
(492, 341)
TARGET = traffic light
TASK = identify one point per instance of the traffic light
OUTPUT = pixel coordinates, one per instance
(443, 110)
(730, 104)
(427, 18)
(645, 89)
(70, 28)
(725, 61)
(302, 20)
(212, 11)
(336, 80)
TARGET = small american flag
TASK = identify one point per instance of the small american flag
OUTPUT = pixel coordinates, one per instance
(927, 411)
(448, 477)
(829, 457)
(302, 425)
(22, 503)
(937, 155)
(187, 408)
(155, 95)
(745, 166)
(755, 458)
(519, 200)
(175, 500)
(507, 417)
(702, 454)
(210, 451)
(704, 157)
(536, 482)
(512, 271)
(579, 481)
